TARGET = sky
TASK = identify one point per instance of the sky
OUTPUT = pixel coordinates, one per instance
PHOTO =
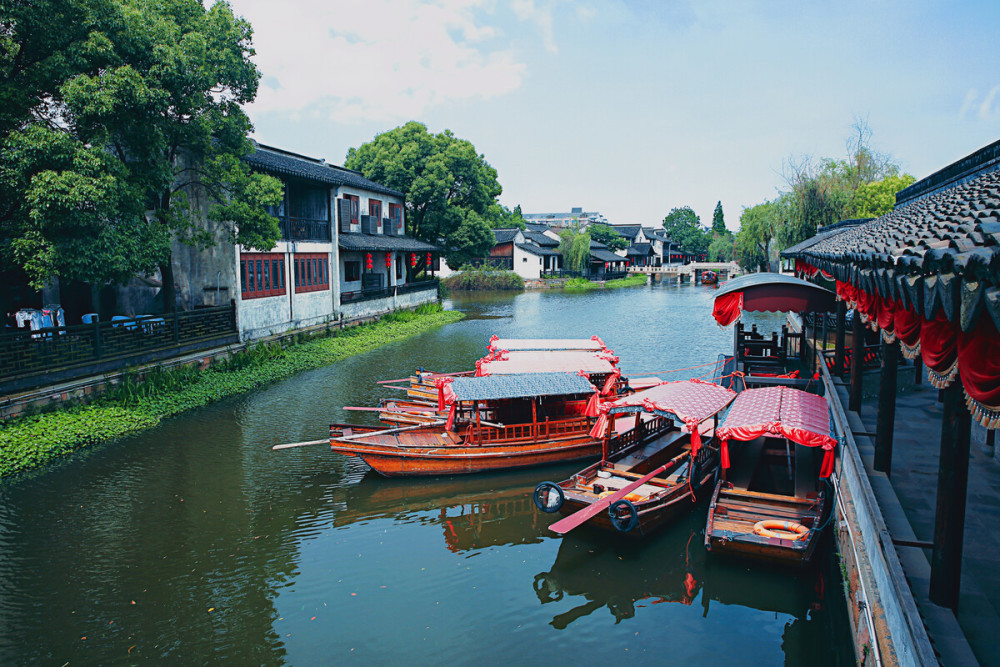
(632, 107)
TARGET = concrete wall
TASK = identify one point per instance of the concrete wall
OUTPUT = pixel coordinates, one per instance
(527, 265)
(388, 304)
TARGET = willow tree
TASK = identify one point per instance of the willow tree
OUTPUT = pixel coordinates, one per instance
(111, 111)
(574, 246)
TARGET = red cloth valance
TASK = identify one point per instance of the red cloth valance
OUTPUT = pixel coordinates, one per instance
(847, 293)
(728, 308)
(979, 367)
(805, 268)
(939, 350)
(886, 313)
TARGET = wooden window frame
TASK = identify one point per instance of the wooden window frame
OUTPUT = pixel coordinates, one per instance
(347, 271)
(257, 275)
(355, 208)
(312, 271)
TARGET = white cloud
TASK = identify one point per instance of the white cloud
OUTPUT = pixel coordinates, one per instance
(986, 108)
(377, 60)
(528, 10)
(970, 100)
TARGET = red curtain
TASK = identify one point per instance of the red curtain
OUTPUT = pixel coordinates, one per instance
(939, 349)
(979, 367)
(847, 292)
(805, 269)
(886, 311)
(728, 308)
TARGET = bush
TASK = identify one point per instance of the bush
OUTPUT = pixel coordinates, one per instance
(483, 278)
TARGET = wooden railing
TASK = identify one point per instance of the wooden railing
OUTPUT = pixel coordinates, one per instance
(540, 431)
(45, 351)
(636, 436)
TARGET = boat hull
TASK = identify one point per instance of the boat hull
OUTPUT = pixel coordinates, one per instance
(733, 512)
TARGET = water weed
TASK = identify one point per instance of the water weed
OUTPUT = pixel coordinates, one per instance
(28, 442)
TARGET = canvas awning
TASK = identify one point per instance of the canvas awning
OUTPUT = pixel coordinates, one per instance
(531, 385)
(801, 417)
(689, 401)
(772, 292)
(593, 344)
(512, 362)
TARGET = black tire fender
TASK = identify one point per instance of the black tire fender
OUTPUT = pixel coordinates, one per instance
(627, 523)
(543, 497)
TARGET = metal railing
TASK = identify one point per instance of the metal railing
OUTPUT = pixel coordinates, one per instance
(55, 349)
(305, 229)
(387, 292)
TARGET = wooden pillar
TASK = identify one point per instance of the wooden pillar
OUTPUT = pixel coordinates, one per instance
(838, 359)
(815, 349)
(857, 362)
(953, 478)
(885, 421)
(822, 354)
(918, 370)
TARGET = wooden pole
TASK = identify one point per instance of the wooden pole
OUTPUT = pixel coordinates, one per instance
(838, 360)
(885, 421)
(815, 358)
(857, 362)
(953, 478)
(918, 370)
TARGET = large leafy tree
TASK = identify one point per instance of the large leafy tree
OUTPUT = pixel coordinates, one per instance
(608, 236)
(718, 219)
(759, 225)
(683, 226)
(574, 246)
(451, 190)
(111, 113)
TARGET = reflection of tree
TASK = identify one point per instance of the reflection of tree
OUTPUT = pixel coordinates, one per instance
(617, 574)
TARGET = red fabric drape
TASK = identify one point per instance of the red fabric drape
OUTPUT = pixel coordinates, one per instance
(593, 405)
(886, 311)
(446, 395)
(907, 326)
(867, 305)
(610, 382)
(728, 308)
(939, 349)
(979, 367)
(805, 269)
(847, 292)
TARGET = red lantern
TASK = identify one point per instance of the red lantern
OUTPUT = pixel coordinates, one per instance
(413, 259)
(388, 260)
(607, 265)
(368, 261)
(428, 259)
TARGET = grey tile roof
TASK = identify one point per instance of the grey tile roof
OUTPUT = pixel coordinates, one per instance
(380, 243)
(529, 385)
(628, 231)
(823, 234)
(939, 250)
(541, 239)
(640, 249)
(276, 161)
(536, 227)
(596, 244)
(536, 250)
(505, 235)
(601, 255)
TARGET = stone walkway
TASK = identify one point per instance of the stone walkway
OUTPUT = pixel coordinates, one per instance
(907, 498)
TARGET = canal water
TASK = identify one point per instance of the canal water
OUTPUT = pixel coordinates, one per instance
(194, 543)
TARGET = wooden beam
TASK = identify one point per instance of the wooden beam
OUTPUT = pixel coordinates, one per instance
(857, 362)
(838, 359)
(885, 421)
(949, 520)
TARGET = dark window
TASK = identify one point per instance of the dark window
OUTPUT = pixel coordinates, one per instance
(375, 208)
(352, 271)
(396, 215)
(262, 274)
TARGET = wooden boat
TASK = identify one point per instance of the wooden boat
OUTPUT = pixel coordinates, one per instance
(600, 367)
(494, 423)
(651, 473)
(771, 506)
(709, 278)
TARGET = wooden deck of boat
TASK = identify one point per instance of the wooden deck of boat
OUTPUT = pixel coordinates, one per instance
(742, 509)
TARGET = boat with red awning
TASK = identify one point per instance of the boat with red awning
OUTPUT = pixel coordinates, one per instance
(650, 472)
(493, 423)
(770, 503)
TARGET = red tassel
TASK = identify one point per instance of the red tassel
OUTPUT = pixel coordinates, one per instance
(725, 454)
(827, 468)
(695, 441)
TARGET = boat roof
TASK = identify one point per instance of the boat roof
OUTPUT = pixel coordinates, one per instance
(772, 292)
(513, 362)
(593, 343)
(801, 417)
(529, 385)
(691, 401)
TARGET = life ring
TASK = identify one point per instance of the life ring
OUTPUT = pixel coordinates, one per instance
(623, 523)
(543, 496)
(768, 527)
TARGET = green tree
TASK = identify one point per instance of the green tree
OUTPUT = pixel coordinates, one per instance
(758, 226)
(608, 236)
(500, 217)
(574, 246)
(720, 249)
(113, 112)
(683, 226)
(718, 220)
(875, 199)
(444, 180)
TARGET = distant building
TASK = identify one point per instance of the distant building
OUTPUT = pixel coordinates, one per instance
(576, 216)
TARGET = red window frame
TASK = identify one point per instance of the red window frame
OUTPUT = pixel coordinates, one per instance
(262, 274)
(312, 271)
(355, 207)
(396, 215)
(375, 208)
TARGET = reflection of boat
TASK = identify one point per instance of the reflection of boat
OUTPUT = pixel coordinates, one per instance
(473, 512)
(655, 466)
(621, 577)
(494, 423)
(770, 508)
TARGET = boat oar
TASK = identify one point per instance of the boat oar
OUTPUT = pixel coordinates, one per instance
(387, 431)
(290, 445)
(359, 409)
(563, 526)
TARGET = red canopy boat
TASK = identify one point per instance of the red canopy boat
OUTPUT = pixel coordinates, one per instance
(650, 472)
(770, 507)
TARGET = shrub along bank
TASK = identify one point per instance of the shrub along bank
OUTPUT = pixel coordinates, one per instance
(637, 280)
(483, 279)
(28, 442)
